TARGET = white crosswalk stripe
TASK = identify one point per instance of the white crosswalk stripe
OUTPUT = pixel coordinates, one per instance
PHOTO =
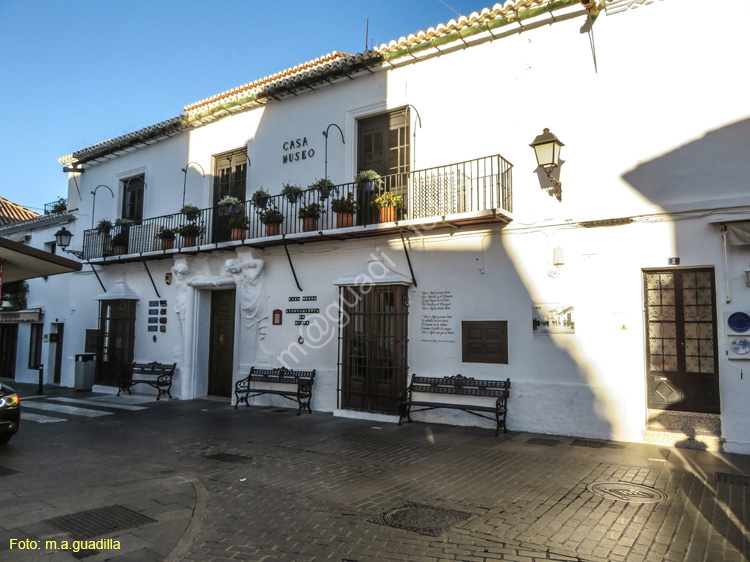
(39, 418)
(65, 408)
(61, 409)
(97, 402)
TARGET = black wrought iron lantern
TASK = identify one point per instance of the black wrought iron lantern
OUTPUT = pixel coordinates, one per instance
(63, 237)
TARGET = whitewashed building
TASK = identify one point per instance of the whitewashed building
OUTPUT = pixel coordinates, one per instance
(613, 293)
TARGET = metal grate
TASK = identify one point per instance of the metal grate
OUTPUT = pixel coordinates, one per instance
(626, 492)
(594, 444)
(227, 457)
(542, 441)
(738, 479)
(422, 519)
(101, 521)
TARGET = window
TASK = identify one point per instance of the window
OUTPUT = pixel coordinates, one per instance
(35, 346)
(485, 341)
(51, 247)
(132, 198)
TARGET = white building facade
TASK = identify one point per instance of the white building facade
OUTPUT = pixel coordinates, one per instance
(608, 307)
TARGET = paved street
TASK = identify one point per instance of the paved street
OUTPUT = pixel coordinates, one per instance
(197, 480)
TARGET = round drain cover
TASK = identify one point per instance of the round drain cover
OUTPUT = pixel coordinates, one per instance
(626, 492)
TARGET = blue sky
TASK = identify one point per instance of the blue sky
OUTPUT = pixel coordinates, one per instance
(75, 73)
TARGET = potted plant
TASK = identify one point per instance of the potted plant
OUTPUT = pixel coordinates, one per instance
(272, 218)
(369, 180)
(60, 206)
(239, 223)
(124, 225)
(260, 198)
(230, 203)
(324, 187)
(166, 235)
(310, 215)
(191, 212)
(120, 243)
(387, 202)
(291, 192)
(189, 233)
(104, 226)
(344, 207)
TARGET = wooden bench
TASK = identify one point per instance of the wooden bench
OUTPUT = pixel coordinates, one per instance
(300, 381)
(457, 385)
(158, 375)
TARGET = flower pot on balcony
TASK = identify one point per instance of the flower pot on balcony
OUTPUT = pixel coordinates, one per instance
(273, 229)
(387, 214)
(238, 234)
(167, 243)
(344, 220)
(188, 241)
(309, 224)
(119, 250)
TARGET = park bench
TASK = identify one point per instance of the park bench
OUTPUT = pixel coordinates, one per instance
(457, 385)
(298, 386)
(157, 375)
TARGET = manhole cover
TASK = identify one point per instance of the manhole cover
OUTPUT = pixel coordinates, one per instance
(227, 457)
(626, 492)
(738, 479)
(423, 519)
(542, 441)
(594, 444)
(101, 521)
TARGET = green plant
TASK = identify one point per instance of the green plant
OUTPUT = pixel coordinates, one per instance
(15, 293)
(120, 239)
(260, 197)
(272, 216)
(345, 204)
(324, 186)
(387, 199)
(123, 222)
(191, 212)
(311, 211)
(239, 220)
(104, 226)
(228, 200)
(165, 234)
(368, 175)
(291, 192)
(189, 230)
(60, 206)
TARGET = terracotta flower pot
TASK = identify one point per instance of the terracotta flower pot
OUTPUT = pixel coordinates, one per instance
(188, 241)
(344, 220)
(308, 225)
(387, 214)
(120, 250)
(238, 234)
(273, 229)
(167, 243)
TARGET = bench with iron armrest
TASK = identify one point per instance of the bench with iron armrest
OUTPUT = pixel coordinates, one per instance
(157, 375)
(300, 381)
(457, 385)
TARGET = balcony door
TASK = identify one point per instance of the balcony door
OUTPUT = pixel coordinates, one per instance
(683, 360)
(230, 179)
(373, 347)
(383, 146)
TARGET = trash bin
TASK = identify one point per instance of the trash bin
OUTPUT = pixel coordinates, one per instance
(85, 371)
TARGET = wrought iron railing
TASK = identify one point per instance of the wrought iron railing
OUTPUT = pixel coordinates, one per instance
(476, 185)
(56, 206)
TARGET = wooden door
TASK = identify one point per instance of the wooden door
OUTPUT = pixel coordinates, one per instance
(683, 359)
(221, 343)
(8, 345)
(374, 346)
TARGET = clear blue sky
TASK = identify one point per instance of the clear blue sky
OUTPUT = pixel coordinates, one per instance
(75, 73)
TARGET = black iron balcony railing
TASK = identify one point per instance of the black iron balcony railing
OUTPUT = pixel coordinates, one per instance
(472, 186)
(56, 206)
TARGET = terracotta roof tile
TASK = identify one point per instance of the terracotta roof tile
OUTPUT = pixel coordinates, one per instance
(11, 213)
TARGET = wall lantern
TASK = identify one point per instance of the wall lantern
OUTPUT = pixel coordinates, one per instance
(547, 148)
(62, 238)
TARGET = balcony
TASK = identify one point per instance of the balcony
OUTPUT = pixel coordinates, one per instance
(471, 192)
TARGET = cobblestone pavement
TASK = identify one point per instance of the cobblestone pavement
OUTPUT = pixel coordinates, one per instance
(264, 484)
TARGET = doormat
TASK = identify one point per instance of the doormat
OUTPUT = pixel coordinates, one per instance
(594, 444)
(738, 479)
(626, 492)
(543, 441)
(227, 457)
(422, 519)
(97, 522)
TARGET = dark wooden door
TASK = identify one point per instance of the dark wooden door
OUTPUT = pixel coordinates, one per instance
(8, 345)
(683, 363)
(230, 179)
(221, 344)
(374, 344)
(117, 341)
(58, 353)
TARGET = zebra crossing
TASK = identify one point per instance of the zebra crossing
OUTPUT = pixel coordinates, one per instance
(55, 409)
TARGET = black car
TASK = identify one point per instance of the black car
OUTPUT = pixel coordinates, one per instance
(10, 413)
